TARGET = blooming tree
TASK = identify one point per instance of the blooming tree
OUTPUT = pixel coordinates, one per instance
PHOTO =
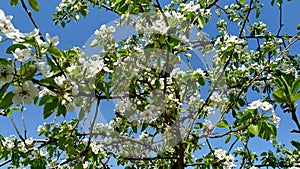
(169, 111)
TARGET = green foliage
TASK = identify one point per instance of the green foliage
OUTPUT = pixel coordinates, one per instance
(34, 5)
(160, 110)
(14, 2)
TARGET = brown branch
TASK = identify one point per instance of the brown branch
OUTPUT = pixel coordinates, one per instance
(231, 147)
(280, 19)
(150, 158)
(195, 164)
(17, 130)
(24, 125)
(5, 162)
(31, 18)
(95, 117)
(295, 119)
(245, 19)
(162, 12)
(264, 36)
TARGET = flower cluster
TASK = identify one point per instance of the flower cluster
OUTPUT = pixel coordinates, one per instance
(258, 28)
(9, 142)
(227, 159)
(228, 42)
(264, 105)
(6, 74)
(104, 36)
(25, 93)
(7, 28)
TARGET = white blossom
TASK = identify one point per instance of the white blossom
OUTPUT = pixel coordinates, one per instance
(264, 105)
(208, 124)
(29, 141)
(43, 153)
(96, 147)
(6, 74)
(220, 154)
(54, 41)
(85, 165)
(22, 54)
(275, 119)
(25, 93)
(40, 128)
(9, 142)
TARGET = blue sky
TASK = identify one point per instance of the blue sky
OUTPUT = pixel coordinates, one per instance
(77, 33)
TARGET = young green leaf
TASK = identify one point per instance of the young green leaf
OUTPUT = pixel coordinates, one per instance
(223, 124)
(254, 129)
(243, 1)
(296, 86)
(55, 52)
(3, 89)
(49, 108)
(34, 5)
(14, 2)
(7, 100)
(13, 47)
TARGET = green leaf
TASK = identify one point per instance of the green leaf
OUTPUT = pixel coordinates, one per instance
(3, 89)
(201, 81)
(49, 82)
(7, 100)
(243, 1)
(44, 100)
(245, 117)
(279, 96)
(254, 129)
(81, 114)
(298, 27)
(273, 129)
(228, 138)
(50, 107)
(279, 2)
(34, 5)
(201, 22)
(134, 129)
(94, 43)
(296, 86)
(296, 144)
(51, 64)
(223, 124)
(295, 97)
(14, 2)
(72, 150)
(54, 51)
(61, 110)
(145, 125)
(241, 102)
(78, 166)
(13, 47)
(27, 71)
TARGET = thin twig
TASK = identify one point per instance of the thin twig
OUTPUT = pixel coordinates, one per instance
(245, 19)
(162, 12)
(95, 117)
(24, 125)
(231, 147)
(17, 130)
(280, 19)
